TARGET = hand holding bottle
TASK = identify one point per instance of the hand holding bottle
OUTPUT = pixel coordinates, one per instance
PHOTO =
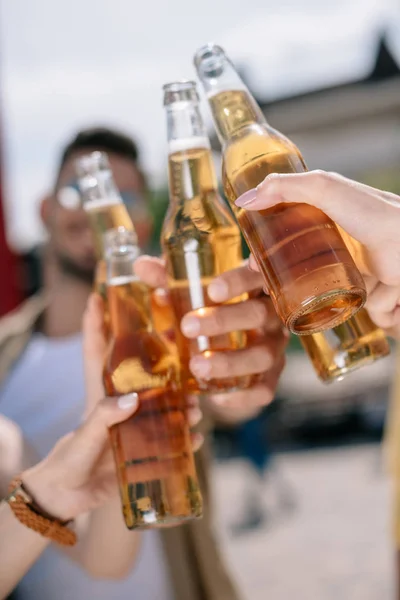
(370, 216)
(263, 358)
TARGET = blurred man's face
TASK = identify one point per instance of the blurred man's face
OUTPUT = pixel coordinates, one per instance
(71, 239)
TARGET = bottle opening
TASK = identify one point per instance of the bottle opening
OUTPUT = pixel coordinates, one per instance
(90, 164)
(120, 242)
(209, 61)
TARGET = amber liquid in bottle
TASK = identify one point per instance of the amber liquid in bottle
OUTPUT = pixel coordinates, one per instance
(200, 238)
(310, 274)
(354, 344)
(105, 210)
(105, 215)
(152, 449)
(307, 269)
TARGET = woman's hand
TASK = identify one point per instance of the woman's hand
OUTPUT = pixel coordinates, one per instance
(78, 475)
(368, 215)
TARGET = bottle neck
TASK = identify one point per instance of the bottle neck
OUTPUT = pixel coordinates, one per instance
(99, 187)
(191, 168)
(104, 215)
(128, 297)
(130, 308)
(232, 105)
(233, 110)
(185, 127)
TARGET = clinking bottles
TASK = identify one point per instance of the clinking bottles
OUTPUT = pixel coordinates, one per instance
(311, 277)
(354, 344)
(200, 238)
(152, 449)
(105, 209)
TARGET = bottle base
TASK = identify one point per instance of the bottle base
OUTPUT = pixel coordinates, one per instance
(161, 502)
(326, 311)
(157, 523)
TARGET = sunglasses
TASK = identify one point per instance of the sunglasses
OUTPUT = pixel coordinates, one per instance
(69, 197)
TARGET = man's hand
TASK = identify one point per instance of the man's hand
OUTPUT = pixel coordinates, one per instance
(264, 355)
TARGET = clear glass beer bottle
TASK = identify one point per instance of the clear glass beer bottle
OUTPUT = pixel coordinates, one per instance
(152, 449)
(200, 237)
(308, 271)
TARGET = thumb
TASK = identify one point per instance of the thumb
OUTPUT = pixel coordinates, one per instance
(151, 270)
(94, 349)
(353, 206)
(87, 443)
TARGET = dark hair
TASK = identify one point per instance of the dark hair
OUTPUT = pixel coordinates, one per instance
(103, 139)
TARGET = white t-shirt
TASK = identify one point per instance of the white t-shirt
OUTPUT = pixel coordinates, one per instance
(44, 395)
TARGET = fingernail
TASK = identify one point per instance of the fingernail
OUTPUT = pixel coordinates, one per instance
(246, 199)
(161, 297)
(197, 441)
(200, 367)
(128, 401)
(195, 416)
(190, 326)
(218, 290)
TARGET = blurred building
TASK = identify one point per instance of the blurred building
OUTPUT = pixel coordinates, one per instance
(351, 128)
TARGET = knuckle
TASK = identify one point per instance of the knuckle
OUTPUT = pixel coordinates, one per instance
(217, 320)
(104, 409)
(261, 359)
(258, 312)
(223, 364)
(262, 395)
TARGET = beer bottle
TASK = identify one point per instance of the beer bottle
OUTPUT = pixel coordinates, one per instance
(105, 209)
(200, 238)
(308, 271)
(354, 344)
(152, 449)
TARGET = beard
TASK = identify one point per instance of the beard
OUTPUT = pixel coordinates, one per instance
(71, 268)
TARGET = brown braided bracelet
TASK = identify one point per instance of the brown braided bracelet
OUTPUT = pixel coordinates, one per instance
(29, 514)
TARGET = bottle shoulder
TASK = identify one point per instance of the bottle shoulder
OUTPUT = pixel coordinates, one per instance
(261, 135)
(198, 218)
(140, 361)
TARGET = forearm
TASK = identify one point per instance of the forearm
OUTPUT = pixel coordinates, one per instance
(106, 548)
(20, 547)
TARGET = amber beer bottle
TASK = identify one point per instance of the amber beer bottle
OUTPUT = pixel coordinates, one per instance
(200, 238)
(152, 449)
(354, 344)
(308, 271)
(104, 207)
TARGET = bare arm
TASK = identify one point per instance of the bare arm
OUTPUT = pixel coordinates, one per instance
(74, 479)
(19, 549)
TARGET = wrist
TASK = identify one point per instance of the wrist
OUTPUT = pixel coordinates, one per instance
(43, 491)
(29, 513)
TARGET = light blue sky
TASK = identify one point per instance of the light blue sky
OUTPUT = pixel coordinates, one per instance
(76, 63)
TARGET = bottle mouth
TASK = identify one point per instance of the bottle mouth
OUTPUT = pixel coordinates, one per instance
(89, 164)
(180, 91)
(120, 241)
(209, 61)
